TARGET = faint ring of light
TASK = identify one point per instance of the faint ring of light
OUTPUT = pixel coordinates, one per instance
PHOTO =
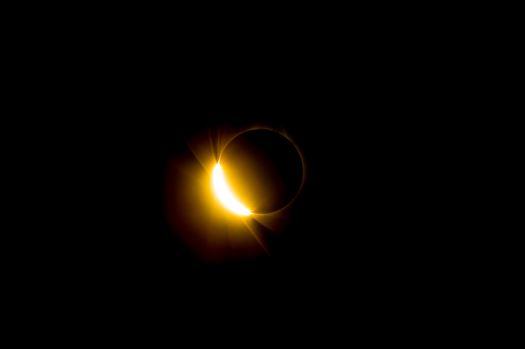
(224, 194)
(296, 148)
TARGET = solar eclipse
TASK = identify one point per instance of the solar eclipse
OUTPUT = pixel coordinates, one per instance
(233, 191)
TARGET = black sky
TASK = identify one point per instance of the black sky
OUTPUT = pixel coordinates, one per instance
(370, 125)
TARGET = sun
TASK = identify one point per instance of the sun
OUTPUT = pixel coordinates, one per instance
(225, 195)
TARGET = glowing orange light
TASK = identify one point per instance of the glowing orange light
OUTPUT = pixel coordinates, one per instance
(225, 195)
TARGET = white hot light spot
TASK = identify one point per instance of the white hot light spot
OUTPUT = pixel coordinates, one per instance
(225, 195)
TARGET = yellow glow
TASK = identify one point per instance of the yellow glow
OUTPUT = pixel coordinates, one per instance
(225, 195)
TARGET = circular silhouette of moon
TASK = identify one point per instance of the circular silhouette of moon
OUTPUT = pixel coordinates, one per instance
(262, 172)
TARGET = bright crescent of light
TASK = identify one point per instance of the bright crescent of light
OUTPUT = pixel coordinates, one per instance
(225, 195)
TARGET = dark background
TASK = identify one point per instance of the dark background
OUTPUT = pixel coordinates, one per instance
(368, 221)
(384, 102)
(374, 115)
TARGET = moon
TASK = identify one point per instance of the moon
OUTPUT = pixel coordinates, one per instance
(225, 195)
(271, 168)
